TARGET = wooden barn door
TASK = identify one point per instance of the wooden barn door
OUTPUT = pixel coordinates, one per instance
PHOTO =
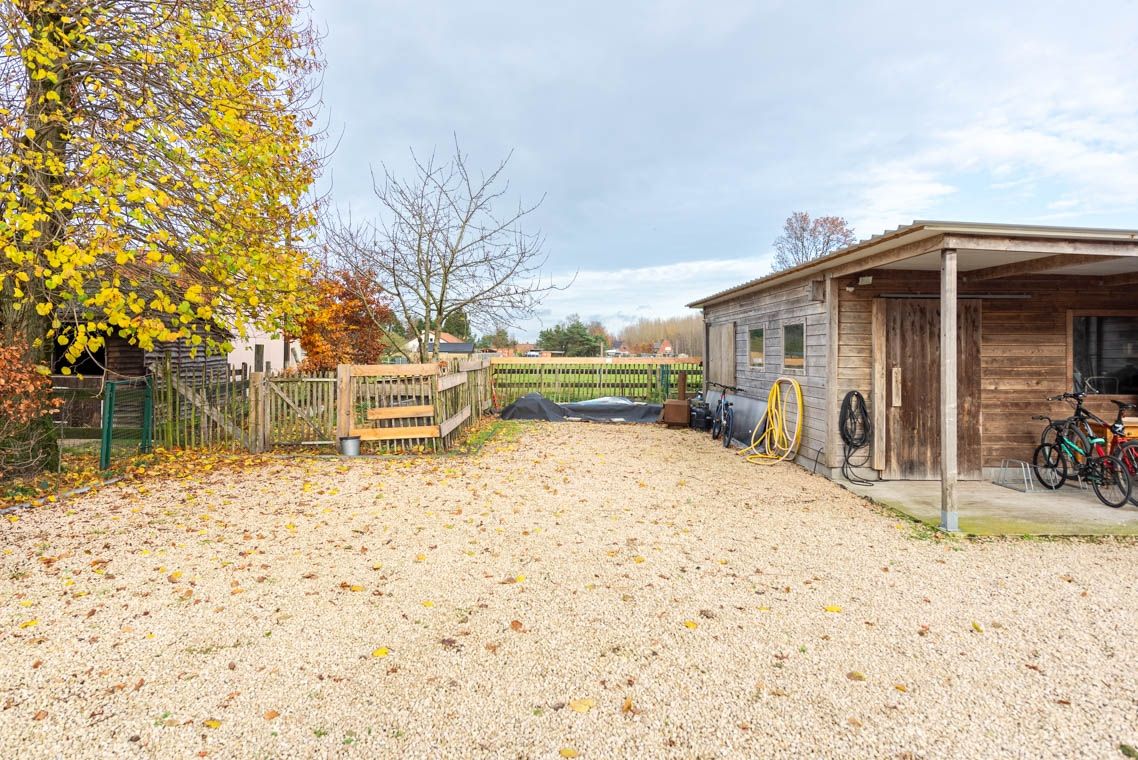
(912, 385)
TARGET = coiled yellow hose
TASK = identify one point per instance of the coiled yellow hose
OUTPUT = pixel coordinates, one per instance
(772, 442)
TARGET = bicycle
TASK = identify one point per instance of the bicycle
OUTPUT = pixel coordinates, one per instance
(1078, 428)
(1106, 473)
(723, 419)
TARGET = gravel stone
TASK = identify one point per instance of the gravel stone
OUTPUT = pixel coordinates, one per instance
(683, 602)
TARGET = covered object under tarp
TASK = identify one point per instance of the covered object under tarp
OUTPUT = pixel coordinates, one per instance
(534, 406)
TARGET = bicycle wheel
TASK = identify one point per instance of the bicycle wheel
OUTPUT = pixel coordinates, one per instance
(1128, 453)
(1050, 466)
(728, 427)
(1110, 481)
(717, 422)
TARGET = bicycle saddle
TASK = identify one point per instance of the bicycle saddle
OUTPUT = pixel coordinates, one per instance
(1123, 404)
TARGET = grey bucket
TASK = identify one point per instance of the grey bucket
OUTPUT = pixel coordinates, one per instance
(350, 445)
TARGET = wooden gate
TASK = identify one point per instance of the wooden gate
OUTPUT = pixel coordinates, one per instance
(301, 409)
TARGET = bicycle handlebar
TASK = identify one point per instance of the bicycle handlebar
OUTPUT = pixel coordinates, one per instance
(724, 387)
(1068, 396)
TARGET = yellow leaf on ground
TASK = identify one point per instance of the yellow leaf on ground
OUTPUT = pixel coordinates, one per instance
(977, 627)
(420, 557)
(428, 603)
(833, 608)
(355, 587)
(638, 559)
(271, 715)
(381, 652)
(901, 687)
(212, 723)
(691, 624)
(520, 579)
(627, 706)
(582, 705)
(569, 752)
(29, 623)
(855, 675)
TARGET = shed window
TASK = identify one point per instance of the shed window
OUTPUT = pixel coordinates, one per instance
(757, 347)
(1105, 354)
(794, 347)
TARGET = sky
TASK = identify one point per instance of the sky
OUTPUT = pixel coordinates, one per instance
(670, 140)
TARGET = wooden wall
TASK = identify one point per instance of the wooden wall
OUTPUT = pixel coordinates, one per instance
(1023, 351)
(794, 303)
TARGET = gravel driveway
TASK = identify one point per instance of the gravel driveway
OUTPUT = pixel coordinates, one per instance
(583, 590)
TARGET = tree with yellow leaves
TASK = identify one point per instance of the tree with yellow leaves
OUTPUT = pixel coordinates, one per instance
(157, 157)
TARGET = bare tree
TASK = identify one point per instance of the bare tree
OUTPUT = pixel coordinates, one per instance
(804, 239)
(441, 248)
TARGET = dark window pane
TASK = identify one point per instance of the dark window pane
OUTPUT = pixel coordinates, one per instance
(1105, 354)
(794, 346)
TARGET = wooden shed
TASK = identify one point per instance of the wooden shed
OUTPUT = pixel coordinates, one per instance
(1031, 312)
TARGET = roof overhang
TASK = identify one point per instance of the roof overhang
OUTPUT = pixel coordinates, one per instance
(983, 248)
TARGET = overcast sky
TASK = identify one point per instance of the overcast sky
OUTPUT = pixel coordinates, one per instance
(671, 139)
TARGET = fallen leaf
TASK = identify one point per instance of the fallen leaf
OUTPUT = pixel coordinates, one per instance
(627, 706)
(271, 715)
(582, 705)
(901, 687)
(40, 715)
(29, 623)
(977, 627)
(638, 559)
(381, 652)
(855, 675)
(428, 603)
(691, 624)
(569, 752)
(212, 723)
(832, 608)
(516, 626)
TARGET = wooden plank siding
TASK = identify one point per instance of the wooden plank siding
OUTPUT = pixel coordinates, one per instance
(772, 310)
(1023, 347)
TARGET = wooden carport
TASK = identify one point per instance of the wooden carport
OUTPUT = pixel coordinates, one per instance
(1094, 263)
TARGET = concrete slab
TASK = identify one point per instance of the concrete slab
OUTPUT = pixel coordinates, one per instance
(989, 510)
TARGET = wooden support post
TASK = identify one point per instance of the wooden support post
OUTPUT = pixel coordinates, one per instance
(948, 357)
(831, 297)
(256, 413)
(343, 400)
(259, 357)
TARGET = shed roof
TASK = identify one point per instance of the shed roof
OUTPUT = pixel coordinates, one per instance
(913, 233)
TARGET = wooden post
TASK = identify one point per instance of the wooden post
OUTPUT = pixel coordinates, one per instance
(830, 296)
(948, 357)
(259, 357)
(256, 415)
(343, 400)
(877, 338)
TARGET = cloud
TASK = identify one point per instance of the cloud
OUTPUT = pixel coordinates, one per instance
(618, 297)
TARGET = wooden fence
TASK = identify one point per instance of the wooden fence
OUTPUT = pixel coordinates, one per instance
(389, 406)
(565, 380)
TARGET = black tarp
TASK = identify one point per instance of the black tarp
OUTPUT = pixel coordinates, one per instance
(534, 406)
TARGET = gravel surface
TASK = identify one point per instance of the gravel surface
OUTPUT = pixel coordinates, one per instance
(609, 591)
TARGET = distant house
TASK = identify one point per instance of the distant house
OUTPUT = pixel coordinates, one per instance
(448, 344)
(263, 351)
(663, 348)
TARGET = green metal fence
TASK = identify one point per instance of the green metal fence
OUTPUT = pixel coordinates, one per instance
(112, 418)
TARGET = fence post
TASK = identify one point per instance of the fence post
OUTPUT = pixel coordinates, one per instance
(108, 425)
(256, 413)
(147, 443)
(343, 400)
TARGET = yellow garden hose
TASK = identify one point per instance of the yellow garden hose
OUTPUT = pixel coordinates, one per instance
(772, 441)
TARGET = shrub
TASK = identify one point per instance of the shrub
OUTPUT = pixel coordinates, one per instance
(26, 429)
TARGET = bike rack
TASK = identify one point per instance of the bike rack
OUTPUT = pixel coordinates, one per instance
(1009, 469)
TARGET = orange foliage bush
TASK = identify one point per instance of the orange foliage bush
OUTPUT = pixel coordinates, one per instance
(344, 328)
(25, 398)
